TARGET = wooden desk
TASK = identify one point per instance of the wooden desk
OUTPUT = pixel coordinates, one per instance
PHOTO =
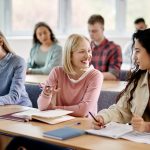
(114, 86)
(35, 129)
(36, 79)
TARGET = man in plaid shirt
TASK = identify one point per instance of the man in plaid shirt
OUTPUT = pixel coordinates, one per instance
(106, 55)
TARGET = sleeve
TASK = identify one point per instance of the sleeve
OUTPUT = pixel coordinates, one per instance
(90, 97)
(120, 112)
(43, 100)
(55, 60)
(13, 97)
(115, 60)
(30, 59)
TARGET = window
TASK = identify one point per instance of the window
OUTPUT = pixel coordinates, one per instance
(140, 9)
(25, 14)
(83, 9)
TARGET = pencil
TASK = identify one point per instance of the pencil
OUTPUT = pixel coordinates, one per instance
(93, 117)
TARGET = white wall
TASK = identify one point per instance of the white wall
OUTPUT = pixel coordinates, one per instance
(22, 46)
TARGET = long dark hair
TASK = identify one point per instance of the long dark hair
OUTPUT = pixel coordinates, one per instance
(43, 24)
(143, 37)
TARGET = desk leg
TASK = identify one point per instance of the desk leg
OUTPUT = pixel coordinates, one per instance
(4, 140)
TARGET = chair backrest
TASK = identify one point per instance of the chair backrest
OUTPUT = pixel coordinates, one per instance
(33, 91)
(106, 99)
(123, 75)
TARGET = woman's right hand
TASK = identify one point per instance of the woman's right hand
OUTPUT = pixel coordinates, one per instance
(99, 123)
(50, 91)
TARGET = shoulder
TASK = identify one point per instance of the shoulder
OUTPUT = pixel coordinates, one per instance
(35, 47)
(17, 59)
(94, 73)
(113, 45)
(58, 70)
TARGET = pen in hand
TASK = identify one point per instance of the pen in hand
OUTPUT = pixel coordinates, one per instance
(93, 117)
(100, 124)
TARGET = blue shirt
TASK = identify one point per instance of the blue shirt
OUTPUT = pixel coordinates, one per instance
(12, 78)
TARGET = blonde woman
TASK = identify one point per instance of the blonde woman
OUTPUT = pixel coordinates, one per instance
(12, 76)
(76, 85)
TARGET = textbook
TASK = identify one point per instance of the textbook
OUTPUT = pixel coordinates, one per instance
(48, 116)
(64, 133)
(124, 131)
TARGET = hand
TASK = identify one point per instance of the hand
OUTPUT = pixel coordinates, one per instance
(28, 71)
(50, 91)
(99, 123)
(139, 124)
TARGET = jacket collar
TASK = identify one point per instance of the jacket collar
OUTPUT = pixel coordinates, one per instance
(145, 79)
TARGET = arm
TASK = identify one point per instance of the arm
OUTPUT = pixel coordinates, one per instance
(90, 97)
(120, 112)
(51, 62)
(115, 62)
(17, 84)
(30, 59)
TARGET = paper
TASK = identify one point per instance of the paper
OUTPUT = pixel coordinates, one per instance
(112, 129)
(49, 116)
(124, 131)
(138, 137)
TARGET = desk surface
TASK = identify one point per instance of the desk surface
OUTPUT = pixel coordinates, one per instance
(115, 86)
(35, 129)
(30, 78)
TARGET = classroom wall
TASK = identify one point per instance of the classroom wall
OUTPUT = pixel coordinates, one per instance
(22, 46)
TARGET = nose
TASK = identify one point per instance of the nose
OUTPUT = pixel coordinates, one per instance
(88, 54)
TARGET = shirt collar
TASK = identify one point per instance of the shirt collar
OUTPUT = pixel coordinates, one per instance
(83, 75)
(93, 45)
(145, 79)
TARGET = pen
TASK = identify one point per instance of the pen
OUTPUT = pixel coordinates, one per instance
(96, 120)
(93, 117)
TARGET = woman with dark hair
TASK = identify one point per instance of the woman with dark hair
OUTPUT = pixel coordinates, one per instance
(133, 105)
(45, 53)
(12, 76)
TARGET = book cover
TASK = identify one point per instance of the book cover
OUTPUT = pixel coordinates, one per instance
(64, 133)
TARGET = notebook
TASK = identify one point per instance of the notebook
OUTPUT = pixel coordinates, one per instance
(64, 133)
(112, 129)
(49, 116)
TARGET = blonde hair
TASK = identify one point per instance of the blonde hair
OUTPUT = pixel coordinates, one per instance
(5, 44)
(71, 46)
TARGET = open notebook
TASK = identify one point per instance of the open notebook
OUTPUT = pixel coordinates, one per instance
(124, 131)
(48, 116)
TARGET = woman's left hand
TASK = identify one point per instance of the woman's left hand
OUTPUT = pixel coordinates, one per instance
(139, 124)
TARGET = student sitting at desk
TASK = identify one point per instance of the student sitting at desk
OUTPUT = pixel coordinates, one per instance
(134, 101)
(45, 53)
(75, 86)
(12, 76)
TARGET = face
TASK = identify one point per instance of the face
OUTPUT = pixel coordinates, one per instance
(43, 35)
(140, 26)
(82, 56)
(142, 57)
(96, 31)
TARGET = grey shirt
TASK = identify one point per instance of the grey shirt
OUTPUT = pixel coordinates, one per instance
(12, 78)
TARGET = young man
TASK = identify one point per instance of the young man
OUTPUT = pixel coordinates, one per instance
(139, 24)
(107, 56)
